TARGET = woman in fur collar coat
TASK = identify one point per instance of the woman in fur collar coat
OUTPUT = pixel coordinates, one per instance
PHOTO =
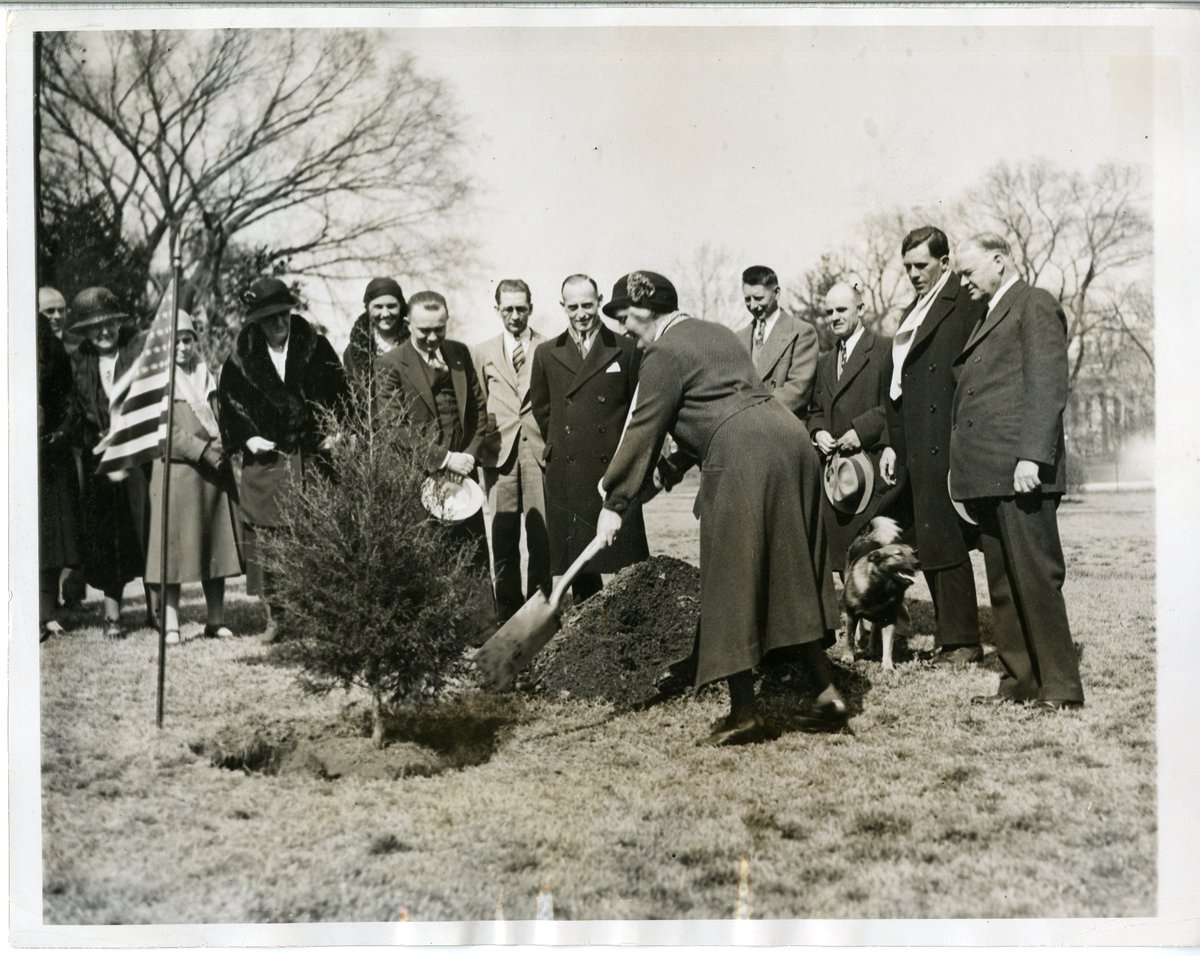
(281, 374)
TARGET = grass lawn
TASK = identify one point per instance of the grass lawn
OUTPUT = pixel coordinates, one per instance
(931, 808)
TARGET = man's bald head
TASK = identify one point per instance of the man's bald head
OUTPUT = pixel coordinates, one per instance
(53, 306)
(843, 309)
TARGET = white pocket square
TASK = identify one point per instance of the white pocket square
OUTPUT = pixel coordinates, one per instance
(615, 367)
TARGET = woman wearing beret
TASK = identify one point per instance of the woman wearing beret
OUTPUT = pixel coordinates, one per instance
(764, 583)
(380, 328)
(281, 374)
(201, 543)
(114, 513)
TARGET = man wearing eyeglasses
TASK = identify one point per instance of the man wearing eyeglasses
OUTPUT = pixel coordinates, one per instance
(512, 467)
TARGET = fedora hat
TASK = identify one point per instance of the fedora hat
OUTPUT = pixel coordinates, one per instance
(849, 482)
(959, 506)
(95, 306)
(451, 500)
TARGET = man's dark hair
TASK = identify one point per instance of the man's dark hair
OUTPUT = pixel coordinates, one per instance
(939, 245)
(760, 275)
(513, 285)
(427, 300)
(579, 277)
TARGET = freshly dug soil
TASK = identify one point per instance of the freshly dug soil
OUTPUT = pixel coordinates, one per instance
(616, 644)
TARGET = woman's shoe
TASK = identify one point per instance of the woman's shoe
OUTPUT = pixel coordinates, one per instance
(217, 630)
(112, 629)
(172, 637)
(50, 629)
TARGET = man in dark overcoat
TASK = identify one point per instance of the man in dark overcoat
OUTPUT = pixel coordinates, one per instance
(847, 412)
(428, 387)
(581, 386)
(784, 348)
(930, 336)
(1007, 468)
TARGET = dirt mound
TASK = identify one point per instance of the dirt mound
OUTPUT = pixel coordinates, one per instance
(615, 645)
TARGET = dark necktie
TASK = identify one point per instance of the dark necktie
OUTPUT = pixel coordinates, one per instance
(518, 357)
(841, 357)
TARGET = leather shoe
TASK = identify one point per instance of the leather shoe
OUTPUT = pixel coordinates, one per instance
(745, 731)
(831, 717)
(1055, 706)
(992, 700)
(958, 656)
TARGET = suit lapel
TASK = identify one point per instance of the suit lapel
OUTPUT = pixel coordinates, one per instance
(855, 363)
(500, 360)
(412, 370)
(523, 379)
(599, 355)
(776, 342)
(566, 353)
(941, 307)
(998, 313)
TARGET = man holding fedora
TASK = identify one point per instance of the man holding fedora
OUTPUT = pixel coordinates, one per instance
(512, 467)
(847, 420)
(428, 387)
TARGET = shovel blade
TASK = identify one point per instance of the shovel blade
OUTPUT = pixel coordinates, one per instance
(510, 650)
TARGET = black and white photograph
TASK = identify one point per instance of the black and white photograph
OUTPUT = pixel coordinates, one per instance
(642, 475)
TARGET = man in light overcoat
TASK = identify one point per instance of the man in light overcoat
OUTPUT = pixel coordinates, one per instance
(512, 468)
(783, 347)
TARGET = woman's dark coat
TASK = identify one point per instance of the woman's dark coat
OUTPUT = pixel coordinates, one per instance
(254, 401)
(58, 484)
(115, 514)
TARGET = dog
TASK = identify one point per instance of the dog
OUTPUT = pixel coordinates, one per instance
(879, 570)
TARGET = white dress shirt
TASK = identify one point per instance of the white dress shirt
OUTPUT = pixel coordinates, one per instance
(768, 327)
(510, 342)
(1004, 287)
(279, 357)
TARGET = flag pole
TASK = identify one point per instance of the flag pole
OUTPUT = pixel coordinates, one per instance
(163, 541)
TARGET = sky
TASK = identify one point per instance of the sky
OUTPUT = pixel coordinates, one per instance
(606, 149)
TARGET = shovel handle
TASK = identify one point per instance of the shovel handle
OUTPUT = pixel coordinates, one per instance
(596, 546)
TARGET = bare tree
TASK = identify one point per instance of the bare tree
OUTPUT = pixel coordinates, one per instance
(321, 145)
(1081, 237)
(710, 286)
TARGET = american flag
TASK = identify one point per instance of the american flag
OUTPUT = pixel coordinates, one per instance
(138, 408)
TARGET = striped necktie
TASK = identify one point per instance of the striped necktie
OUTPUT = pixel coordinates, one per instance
(518, 356)
(841, 357)
(760, 333)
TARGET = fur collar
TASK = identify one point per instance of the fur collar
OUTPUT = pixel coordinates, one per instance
(250, 353)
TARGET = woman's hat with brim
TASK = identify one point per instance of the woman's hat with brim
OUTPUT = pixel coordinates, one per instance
(95, 306)
(267, 297)
(646, 290)
(849, 482)
(450, 499)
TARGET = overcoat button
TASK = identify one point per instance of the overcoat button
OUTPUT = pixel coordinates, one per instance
(978, 359)
(970, 423)
(600, 399)
(954, 427)
(568, 401)
(567, 429)
(933, 366)
(932, 408)
(601, 429)
(604, 458)
(970, 391)
(933, 450)
(571, 459)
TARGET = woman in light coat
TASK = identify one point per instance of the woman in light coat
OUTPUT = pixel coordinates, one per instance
(201, 543)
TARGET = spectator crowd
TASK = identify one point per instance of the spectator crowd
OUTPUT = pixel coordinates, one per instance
(953, 427)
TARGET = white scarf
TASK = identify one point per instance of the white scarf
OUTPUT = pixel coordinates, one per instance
(196, 387)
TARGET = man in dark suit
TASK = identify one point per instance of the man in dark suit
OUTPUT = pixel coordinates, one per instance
(428, 387)
(847, 414)
(512, 467)
(783, 347)
(581, 387)
(1007, 468)
(930, 336)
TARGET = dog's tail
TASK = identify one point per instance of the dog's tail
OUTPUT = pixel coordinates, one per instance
(884, 530)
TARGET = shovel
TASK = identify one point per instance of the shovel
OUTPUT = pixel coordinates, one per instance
(510, 649)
